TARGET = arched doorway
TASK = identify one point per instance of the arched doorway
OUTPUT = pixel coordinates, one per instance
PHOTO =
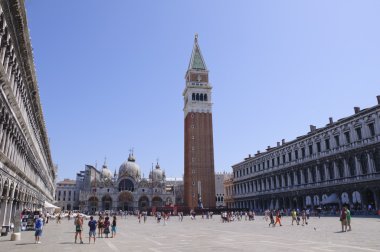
(143, 203)
(125, 201)
(126, 185)
(107, 202)
(369, 199)
(156, 202)
(93, 204)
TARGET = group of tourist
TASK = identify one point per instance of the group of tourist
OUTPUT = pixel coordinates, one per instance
(345, 219)
(103, 225)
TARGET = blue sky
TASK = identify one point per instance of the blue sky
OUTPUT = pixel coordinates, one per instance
(111, 74)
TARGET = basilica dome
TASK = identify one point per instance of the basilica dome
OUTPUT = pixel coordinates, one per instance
(157, 174)
(106, 173)
(130, 169)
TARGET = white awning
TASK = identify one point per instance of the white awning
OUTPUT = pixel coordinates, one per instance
(49, 205)
(333, 198)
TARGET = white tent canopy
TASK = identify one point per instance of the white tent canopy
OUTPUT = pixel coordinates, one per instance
(333, 198)
(49, 205)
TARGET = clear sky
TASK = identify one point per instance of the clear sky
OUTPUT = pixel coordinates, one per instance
(111, 74)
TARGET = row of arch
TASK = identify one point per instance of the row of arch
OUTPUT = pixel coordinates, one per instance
(125, 201)
(361, 164)
(199, 97)
(16, 196)
(357, 199)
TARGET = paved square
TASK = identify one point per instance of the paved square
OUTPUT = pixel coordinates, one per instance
(209, 235)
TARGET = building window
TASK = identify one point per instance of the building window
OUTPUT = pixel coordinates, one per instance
(267, 163)
(290, 156)
(303, 152)
(322, 172)
(318, 147)
(371, 128)
(330, 168)
(347, 136)
(352, 166)
(254, 168)
(310, 149)
(250, 169)
(272, 162)
(340, 168)
(364, 163)
(336, 140)
(306, 175)
(193, 96)
(296, 154)
(283, 159)
(327, 144)
(359, 133)
(278, 160)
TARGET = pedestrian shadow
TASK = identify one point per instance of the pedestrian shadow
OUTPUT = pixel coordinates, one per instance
(339, 232)
(26, 243)
(66, 243)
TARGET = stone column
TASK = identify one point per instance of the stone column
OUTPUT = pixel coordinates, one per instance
(3, 211)
(272, 183)
(303, 176)
(317, 174)
(277, 182)
(336, 172)
(358, 167)
(8, 214)
(346, 169)
(371, 164)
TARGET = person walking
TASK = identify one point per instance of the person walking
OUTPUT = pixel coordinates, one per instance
(294, 216)
(271, 218)
(100, 227)
(278, 218)
(113, 227)
(106, 226)
(38, 225)
(92, 225)
(78, 222)
(343, 219)
(348, 217)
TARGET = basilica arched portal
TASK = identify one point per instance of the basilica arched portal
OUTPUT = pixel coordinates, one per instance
(125, 201)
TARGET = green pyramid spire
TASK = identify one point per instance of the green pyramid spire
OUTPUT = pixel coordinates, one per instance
(196, 60)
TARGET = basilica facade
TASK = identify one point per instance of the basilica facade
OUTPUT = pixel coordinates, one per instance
(126, 190)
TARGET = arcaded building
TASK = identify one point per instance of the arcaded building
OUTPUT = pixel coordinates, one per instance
(333, 165)
(27, 173)
(199, 175)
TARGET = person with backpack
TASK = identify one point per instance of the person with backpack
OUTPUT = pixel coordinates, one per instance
(106, 226)
(92, 225)
(38, 225)
(113, 227)
(78, 228)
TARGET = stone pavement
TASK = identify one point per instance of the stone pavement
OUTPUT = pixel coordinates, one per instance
(209, 235)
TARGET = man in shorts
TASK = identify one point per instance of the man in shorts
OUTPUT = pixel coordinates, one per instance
(38, 225)
(92, 224)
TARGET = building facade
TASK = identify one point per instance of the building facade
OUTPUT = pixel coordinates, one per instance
(126, 190)
(334, 165)
(27, 173)
(220, 178)
(67, 195)
(199, 175)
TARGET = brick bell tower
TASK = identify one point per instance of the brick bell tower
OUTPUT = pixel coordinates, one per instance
(199, 178)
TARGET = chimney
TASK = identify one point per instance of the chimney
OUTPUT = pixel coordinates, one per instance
(283, 141)
(249, 156)
(378, 99)
(268, 148)
(312, 128)
(331, 120)
(357, 110)
(278, 144)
